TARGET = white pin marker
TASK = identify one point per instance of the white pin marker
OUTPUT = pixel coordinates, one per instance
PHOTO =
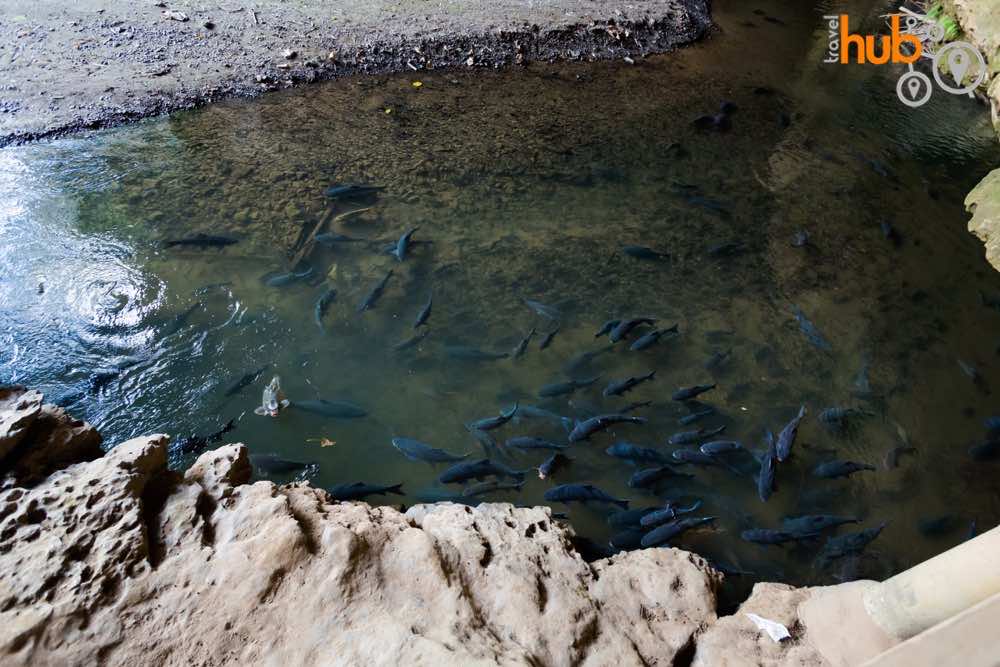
(958, 65)
(914, 86)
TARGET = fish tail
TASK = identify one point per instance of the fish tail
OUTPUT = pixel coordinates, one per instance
(396, 489)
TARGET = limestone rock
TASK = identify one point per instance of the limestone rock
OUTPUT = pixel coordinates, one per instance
(734, 641)
(120, 561)
(984, 204)
(19, 407)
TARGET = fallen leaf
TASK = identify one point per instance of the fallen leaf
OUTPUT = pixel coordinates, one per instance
(776, 631)
(417, 84)
(323, 442)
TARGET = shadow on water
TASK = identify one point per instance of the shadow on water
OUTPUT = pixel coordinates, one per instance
(529, 183)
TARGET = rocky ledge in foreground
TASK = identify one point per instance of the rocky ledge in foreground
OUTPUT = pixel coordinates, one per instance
(114, 559)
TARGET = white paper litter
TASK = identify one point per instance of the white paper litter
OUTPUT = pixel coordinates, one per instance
(774, 630)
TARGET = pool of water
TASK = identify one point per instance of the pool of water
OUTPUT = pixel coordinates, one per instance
(527, 184)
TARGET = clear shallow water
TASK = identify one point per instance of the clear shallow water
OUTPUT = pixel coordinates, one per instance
(529, 183)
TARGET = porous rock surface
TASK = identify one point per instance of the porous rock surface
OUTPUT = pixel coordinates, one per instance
(117, 560)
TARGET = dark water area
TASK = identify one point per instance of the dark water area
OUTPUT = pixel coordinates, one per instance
(528, 184)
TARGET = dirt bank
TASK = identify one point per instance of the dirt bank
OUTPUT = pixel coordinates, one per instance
(94, 63)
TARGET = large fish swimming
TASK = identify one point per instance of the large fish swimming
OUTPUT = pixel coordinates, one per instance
(420, 451)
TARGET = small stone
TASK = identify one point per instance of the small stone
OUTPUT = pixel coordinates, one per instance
(289, 54)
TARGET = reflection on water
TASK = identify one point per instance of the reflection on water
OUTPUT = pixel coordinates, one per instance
(528, 185)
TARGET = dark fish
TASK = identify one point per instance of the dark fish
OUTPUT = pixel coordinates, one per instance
(629, 518)
(201, 241)
(622, 386)
(273, 464)
(411, 341)
(586, 428)
(717, 447)
(892, 456)
(425, 312)
(179, 320)
(687, 437)
(465, 353)
(624, 327)
(801, 239)
(687, 393)
(836, 417)
(322, 305)
(543, 310)
(245, 381)
(862, 384)
(403, 244)
(768, 462)
(373, 296)
(351, 191)
(847, 544)
(635, 454)
(635, 406)
(812, 334)
(547, 340)
(695, 416)
(627, 540)
(668, 531)
(581, 361)
(938, 526)
(695, 457)
(718, 359)
(648, 339)
(283, 279)
(443, 496)
(815, 523)
(195, 444)
(552, 464)
(787, 436)
(335, 409)
(834, 469)
(490, 423)
(648, 477)
(491, 486)
(360, 491)
(478, 470)
(531, 442)
(665, 514)
(642, 252)
(419, 451)
(726, 249)
(769, 536)
(487, 442)
(719, 122)
(606, 328)
(581, 493)
(535, 412)
(989, 300)
(985, 451)
(522, 345)
(891, 233)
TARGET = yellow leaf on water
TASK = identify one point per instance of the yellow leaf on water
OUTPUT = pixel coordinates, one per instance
(417, 84)
(388, 110)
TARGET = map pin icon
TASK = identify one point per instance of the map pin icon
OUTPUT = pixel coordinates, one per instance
(958, 65)
(914, 86)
